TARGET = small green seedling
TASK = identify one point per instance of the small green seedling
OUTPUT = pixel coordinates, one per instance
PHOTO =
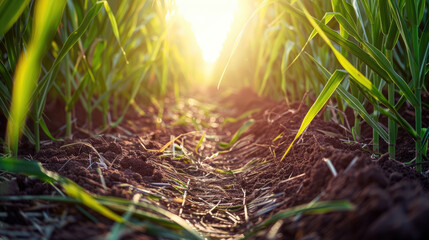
(237, 135)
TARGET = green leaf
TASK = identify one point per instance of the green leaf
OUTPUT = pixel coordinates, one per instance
(29, 168)
(421, 10)
(380, 58)
(366, 85)
(10, 10)
(326, 19)
(341, 6)
(321, 100)
(412, 11)
(376, 61)
(310, 208)
(246, 125)
(278, 43)
(47, 16)
(200, 142)
(33, 168)
(77, 93)
(241, 117)
(354, 103)
(425, 140)
(384, 16)
(78, 193)
(46, 130)
(114, 27)
(46, 83)
(392, 37)
(288, 48)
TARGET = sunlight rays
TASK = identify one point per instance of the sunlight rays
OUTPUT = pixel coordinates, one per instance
(210, 21)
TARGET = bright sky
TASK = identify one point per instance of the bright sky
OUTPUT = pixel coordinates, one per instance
(210, 21)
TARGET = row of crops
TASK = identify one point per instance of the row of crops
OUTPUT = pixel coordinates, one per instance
(372, 56)
(104, 56)
(363, 60)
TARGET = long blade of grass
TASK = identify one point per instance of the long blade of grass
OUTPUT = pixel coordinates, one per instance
(200, 142)
(118, 228)
(192, 234)
(46, 20)
(114, 27)
(46, 130)
(326, 19)
(375, 59)
(10, 12)
(311, 208)
(321, 100)
(278, 43)
(241, 117)
(356, 75)
(364, 83)
(29, 168)
(354, 103)
(46, 83)
(288, 48)
(246, 125)
(75, 191)
(120, 205)
(33, 168)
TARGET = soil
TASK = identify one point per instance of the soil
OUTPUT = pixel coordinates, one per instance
(208, 188)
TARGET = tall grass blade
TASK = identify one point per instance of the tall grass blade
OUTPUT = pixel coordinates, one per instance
(354, 103)
(374, 59)
(114, 27)
(241, 117)
(246, 125)
(311, 208)
(278, 43)
(46, 19)
(326, 19)
(321, 100)
(200, 142)
(33, 168)
(10, 10)
(47, 81)
(29, 168)
(288, 48)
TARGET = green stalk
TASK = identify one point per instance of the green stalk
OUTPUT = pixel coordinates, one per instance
(374, 34)
(68, 99)
(418, 110)
(375, 136)
(68, 124)
(393, 128)
(418, 91)
(89, 115)
(89, 105)
(36, 133)
(105, 112)
(356, 128)
(391, 123)
(115, 105)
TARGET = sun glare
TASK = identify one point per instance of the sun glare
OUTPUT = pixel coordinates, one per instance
(210, 21)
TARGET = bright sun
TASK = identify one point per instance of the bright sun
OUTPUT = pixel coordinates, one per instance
(210, 20)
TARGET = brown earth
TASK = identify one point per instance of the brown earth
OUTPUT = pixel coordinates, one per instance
(391, 199)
